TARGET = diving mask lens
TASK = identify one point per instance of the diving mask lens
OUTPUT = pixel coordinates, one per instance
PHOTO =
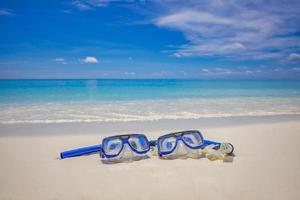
(167, 144)
(192, 139)
(139, 143)
(180, 144)
(112, 146)
(123, 148)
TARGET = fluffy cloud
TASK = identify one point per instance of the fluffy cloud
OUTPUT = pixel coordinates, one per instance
(59, 59)
(294, 57)
(238, 72)
(234, 29)
(90, 59)
(129, 73)
(81, 5)
(89, 4)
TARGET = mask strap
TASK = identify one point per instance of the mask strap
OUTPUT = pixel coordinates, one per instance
(206, 143)
(153, 143)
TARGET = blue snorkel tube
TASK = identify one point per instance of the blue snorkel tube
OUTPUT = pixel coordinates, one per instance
(80, 151)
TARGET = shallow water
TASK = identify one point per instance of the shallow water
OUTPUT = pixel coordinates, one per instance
(55, 101)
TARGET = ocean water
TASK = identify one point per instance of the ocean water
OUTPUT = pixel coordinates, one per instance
(57, 101)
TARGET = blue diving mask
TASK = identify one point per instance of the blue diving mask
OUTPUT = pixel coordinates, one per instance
(186, 144)
(119, 148)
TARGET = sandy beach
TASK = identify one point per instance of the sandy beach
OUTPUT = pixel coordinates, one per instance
(75, 72)
(266, 165)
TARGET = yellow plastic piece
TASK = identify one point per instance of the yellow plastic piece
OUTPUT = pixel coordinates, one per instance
(228, 159)
(213, 154)
(154, 153)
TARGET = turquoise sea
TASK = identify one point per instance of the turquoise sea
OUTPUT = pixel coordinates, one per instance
(55, 101)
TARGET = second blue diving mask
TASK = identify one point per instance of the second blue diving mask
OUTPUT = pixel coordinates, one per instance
(180, 145)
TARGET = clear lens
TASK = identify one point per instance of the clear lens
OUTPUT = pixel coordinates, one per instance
(139, 143)
(112, 146)
(193, 139)
(167, 144)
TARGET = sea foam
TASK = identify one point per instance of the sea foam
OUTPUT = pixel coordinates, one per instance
(146, 110)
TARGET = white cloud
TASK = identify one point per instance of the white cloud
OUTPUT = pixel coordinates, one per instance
(6, 12)
(294, 57)
(102, 3)
(130, 73)
(238, 71)
(187, 19)
(84, 5)
(177, 55)
(234, 29)
(61, 60)
(90, 59)
(219, 70)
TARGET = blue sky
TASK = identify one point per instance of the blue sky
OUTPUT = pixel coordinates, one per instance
(209, 39)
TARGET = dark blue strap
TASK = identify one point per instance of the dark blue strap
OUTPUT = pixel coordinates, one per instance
(209, 142)
(153, 143)
(80, 151)
(206, 143)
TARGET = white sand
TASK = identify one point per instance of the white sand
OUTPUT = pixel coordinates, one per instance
(267, 166)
